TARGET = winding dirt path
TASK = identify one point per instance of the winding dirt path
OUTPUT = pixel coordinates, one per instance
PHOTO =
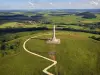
(44, 70)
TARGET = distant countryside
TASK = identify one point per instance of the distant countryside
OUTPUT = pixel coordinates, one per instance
(77, 54)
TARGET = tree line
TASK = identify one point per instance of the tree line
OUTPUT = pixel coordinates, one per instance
(95, 38)
(6, 46)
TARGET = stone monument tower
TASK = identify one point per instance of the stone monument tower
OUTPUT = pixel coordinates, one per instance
(54, 40)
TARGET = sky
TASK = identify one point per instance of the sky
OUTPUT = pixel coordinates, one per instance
(49, 4)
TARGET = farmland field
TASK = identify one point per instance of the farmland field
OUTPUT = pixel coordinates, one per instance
(78, 53)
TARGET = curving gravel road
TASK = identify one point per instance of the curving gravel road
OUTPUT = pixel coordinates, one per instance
(44, 70)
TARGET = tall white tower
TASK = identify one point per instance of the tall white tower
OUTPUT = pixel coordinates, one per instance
(54, 40)
(54, 35)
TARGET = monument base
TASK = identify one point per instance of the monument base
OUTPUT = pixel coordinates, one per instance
(53, 41)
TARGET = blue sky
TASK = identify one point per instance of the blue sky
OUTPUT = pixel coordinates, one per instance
(49, 4)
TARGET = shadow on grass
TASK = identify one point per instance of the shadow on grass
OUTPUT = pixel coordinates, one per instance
(45, 39)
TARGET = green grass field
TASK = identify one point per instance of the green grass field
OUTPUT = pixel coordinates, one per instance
(76, 55)
(22, 63)
(17, 25)
(69, 19)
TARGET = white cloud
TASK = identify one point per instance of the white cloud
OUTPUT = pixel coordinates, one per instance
(54, 5)
(31, 4)
(51, 3)
(94, 2)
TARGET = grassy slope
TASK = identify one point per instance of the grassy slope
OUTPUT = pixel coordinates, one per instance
(9, 24)
(22, 63)
(16, 25)
(76, 55)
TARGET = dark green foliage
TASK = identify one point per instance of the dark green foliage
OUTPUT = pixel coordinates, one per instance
(3, 46)
(12, 47)
(21, 17)
(90, 25)
(6, 46)
(15, 30)
(80, 30)
(16, 36)
(95, 38)
(7, 37)
(87, 15)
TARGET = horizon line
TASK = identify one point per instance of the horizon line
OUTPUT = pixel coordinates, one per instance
(52, 9)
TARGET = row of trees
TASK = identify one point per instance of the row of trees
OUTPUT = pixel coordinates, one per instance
(95, 38)
(8, 37)
(87, 25)
(15, 30)
(79, 30)
(21, 17)
(87, 15)
(7, 48)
